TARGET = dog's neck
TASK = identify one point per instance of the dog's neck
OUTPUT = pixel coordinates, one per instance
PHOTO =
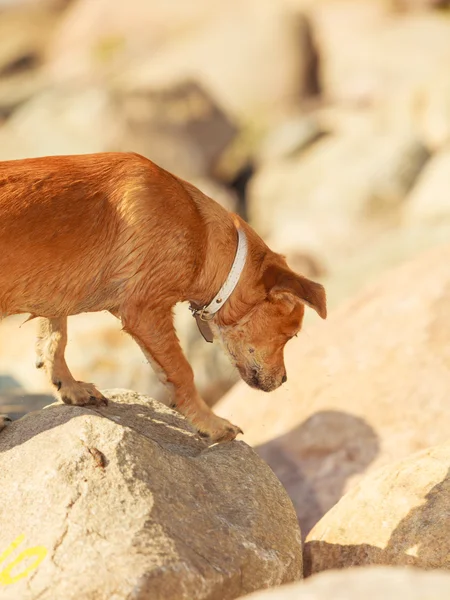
(220, 245)
(219, 256)
(206, 313)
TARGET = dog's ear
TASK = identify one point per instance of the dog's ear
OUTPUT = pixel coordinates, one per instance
(279, 279)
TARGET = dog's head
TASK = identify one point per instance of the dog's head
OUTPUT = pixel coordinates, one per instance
(255, 343)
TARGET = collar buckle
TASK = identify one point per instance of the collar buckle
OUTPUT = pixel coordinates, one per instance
(202, 320)
(201, 313)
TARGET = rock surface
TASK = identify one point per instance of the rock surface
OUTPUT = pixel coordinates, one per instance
(418, 4)
(395, 516)
(370, 583)
(373, 58)
(24, 32)
(127, 502)
(180, 127)
(368, 177)
(430, 200)
(386, 251)
(289, 138)
(366, 387)
(61, 121)
(434, 115)
(219, 45)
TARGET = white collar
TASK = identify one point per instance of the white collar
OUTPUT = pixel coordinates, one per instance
(207, 312)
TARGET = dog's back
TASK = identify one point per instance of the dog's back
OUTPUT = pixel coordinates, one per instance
(75, 229)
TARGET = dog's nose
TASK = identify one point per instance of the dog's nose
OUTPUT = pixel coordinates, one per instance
(284, 378)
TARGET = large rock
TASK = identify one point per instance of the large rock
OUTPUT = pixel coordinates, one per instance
(429, 200)
(18, 89)
(221, 194)
(23, 34)
(62, 121)
(289, 138)
(388, 65)
(331, 198)
(396, 516)
(373, 58)
(418, 4)
(128, 502)
(433, 108)
(180, 126)
(371, 583)
(366, 387)
(385, 251)
(48, 5)
(218, 44)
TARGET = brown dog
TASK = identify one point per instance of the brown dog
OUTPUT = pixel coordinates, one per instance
(115, 232)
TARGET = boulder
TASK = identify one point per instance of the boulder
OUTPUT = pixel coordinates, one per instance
(370, 583)
(220, 45)
(180, 127)
(375, 59)
(357, 387)
(433, 116)
(381, 253)
(405, 5)
(395, 516)
(48, 5)
(127, 501)
(390, 66)
(24, 32)
(219, 192)
(68, 120)
(18, 89)
(429, 201)
(289, 138)
(331, 198)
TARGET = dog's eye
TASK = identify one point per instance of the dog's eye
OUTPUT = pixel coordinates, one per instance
(251, 350)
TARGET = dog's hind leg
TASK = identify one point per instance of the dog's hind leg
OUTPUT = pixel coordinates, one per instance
(50, 348)
(4, 420)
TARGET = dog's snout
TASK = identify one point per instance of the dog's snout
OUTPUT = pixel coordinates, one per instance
(263, 380)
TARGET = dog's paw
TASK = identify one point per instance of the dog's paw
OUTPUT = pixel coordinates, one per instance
(4, 421)
(80, 394)
(216, 429)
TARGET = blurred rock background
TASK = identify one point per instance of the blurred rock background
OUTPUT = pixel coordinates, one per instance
(325, 123)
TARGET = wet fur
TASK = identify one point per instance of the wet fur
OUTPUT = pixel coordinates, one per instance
(115, 232)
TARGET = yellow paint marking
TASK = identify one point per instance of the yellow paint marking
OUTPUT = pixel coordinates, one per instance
(38, 551)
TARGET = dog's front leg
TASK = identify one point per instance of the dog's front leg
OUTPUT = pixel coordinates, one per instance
(154, 331)
(50, 348)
